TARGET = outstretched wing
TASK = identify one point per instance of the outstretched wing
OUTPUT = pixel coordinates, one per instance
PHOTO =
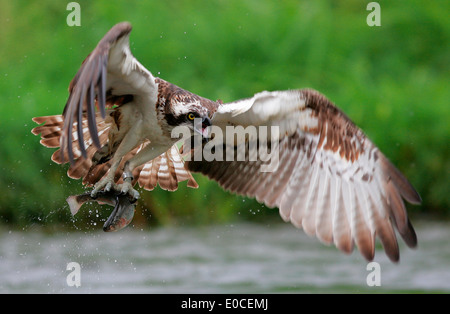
(109, 76)
(330, 179)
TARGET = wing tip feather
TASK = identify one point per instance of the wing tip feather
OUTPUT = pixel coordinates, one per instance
(404, 187)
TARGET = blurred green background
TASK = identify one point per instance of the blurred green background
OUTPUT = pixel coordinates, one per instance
(392, 81)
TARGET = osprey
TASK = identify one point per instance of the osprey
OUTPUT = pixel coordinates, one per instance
(330, 180)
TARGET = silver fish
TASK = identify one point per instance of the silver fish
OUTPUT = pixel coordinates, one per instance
(121, 215)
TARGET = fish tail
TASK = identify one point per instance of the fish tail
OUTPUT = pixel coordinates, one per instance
(74, 204)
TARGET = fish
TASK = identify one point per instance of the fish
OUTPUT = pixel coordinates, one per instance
(121, 215)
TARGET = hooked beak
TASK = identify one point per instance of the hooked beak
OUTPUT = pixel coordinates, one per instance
(203, 127)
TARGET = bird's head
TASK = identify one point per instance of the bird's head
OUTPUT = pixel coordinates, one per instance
(189, 114)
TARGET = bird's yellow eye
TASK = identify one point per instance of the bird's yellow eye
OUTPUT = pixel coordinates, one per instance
(191, 116)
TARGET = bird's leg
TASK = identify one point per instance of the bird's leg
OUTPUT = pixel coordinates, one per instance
(129, 142)
(146, 154)
(107, 182)
(126, 187)
(101, 156)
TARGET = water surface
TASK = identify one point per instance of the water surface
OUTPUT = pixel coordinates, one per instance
(238, 258)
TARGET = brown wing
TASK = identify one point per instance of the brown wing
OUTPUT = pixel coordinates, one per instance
(109, 76)
(330, 180)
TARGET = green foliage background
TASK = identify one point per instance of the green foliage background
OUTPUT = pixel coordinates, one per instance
(393, 82)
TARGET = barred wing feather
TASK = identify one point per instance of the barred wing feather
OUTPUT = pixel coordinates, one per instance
(331, 180)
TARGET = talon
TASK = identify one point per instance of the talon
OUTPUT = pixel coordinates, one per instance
(105, 184)
(134, 200)
(135, 195)
(127, 189)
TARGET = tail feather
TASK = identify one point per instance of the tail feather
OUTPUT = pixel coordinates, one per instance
(51, 132)
(167, 170)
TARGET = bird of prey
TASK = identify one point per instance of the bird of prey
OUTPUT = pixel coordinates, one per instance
(330, 180)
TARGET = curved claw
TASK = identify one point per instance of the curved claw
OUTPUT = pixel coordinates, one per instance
(106, 184)
(127, 188)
